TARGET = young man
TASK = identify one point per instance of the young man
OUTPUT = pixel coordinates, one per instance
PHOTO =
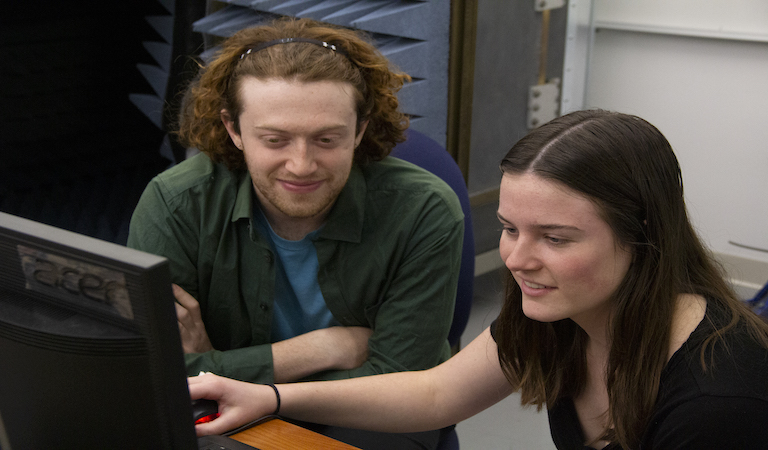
(299, 249)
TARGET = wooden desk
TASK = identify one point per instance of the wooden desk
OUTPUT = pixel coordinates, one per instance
(278, 434)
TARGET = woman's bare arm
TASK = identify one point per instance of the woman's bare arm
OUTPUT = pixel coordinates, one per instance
(399, 402)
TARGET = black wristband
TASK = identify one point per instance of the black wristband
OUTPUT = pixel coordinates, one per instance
(277, 394)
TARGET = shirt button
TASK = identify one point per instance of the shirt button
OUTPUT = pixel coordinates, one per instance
(264, 307)
(268, 258)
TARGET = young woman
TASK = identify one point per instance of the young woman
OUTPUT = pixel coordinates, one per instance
(616, 318)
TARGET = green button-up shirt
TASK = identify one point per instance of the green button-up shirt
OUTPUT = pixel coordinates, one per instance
(388, 254)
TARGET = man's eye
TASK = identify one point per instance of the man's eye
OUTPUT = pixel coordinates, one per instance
(273, 141)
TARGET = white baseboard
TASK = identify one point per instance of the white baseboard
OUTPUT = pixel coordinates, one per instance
(746, 275)
(488, 262)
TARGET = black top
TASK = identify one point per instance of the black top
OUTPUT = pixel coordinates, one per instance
(723, 408)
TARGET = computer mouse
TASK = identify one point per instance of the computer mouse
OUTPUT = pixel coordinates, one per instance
(204, 410)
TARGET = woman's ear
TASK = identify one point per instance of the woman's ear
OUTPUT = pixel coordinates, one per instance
(229, 124)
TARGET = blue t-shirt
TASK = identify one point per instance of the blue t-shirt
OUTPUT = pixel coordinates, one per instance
(299, 305)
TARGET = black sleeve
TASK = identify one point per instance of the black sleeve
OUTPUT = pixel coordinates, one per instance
(713, 422)
(493, 330)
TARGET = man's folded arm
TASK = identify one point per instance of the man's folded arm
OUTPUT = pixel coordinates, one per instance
(411, 324)
(334, 348)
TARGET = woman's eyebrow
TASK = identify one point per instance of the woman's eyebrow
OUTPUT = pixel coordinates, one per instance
(501, 218)
(557, 227)
(547, 227)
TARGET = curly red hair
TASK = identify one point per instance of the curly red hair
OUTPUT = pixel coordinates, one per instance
(358, 63)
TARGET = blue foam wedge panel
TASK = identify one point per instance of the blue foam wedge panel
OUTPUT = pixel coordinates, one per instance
(413, 34)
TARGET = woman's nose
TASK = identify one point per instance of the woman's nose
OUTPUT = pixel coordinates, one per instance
(521, 255)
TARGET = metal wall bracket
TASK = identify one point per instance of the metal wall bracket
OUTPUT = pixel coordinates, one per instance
(543, 5)
(543, 103)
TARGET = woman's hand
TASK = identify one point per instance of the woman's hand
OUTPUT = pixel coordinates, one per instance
(239, 403)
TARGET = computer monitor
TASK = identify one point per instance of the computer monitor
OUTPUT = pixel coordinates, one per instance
(90, 354)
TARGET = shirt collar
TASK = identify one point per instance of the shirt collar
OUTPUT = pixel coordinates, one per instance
(345, 221)
(243, 208)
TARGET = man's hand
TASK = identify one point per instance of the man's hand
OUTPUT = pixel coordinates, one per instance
(334, 348)
(194, 338)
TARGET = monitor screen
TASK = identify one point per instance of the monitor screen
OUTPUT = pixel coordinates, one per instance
(90, 354)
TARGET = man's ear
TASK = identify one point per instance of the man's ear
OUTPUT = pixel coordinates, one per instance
(229, 124)
(361, 133)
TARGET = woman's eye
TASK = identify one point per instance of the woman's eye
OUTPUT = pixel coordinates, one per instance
(556, 240)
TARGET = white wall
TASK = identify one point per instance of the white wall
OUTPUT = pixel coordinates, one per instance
(698, 70)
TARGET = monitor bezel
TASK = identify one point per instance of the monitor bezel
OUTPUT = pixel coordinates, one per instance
(155, 318)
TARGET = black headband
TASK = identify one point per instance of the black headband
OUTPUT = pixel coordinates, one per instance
(264, 45)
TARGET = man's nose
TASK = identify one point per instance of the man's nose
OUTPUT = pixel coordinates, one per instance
(301, 160)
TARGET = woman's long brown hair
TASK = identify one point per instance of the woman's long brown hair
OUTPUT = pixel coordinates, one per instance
(628, 169)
